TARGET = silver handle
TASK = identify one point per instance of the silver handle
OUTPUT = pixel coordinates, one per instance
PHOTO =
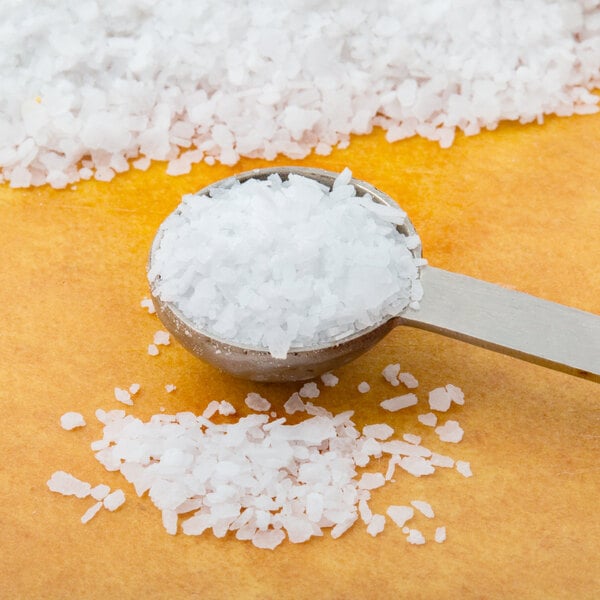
(514, 323)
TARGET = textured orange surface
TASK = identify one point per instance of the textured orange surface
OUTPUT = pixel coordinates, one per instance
(518, 206)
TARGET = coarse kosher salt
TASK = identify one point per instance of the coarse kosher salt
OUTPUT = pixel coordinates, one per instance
(68, 485)
(294, 404)
(100, 491)
(440, 535)
(380, 431)
(390, 374)
(363, 387)
(376, 525)
(399, 402)
(283, 265)
(411, 438)
(162, 338)
(90, 513)
(428, 419)
(134, 388)
(257, 402)
(148, 305)
(309, 390)
(415, 537)
(400, 514)
(152, 350)
(409, 380)
(114, 500)
(464, 468)
(441, 398)
(71, 420)
(272, 78)
(123, 396)
(329, 379)
(424, 508)
(170, 388)
(450, 431)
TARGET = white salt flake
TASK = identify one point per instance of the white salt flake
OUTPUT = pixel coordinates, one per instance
(170, 388)
(71, 420)
(90, 513)
(380, 431)
(211, 409)
(371, 481)
(114, 500)
(100, 491)
(134, 388)
(376, 525)
(450, 431)
(365, 512)
(439, 399)
(408, 380)
(329, 379)
(456, 394)
(269, 539)
(415, 537)
(148, 305)
(428, 419)
(424, 508)
(440, 535)
(464, 468)
(68, 485)
(123, 396)
(169, 520)
(226, 408)
(400, 514)
(416, 465)
(294, 404)
(399, 402)
(309, 390)
(390, 374)
(439, 460)
(152, 350)
(161, 338)
(256, 402)
(412, 439)
(364, 387)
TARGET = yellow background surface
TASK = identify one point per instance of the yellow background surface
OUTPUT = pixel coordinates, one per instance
(518, 206)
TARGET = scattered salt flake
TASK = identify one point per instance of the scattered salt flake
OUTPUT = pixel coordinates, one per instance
(399, 402)
(424, 508)
(273, 414)
(415, 537)
(294, 404)
(169, 520)
(134, 388)
(456, 394)
(400, 514)
(152, 350)
(450, 431)
(440, 535)
(376, 525)
(114, 500)
(329, 379)
(90, 513)
(71, 420)
(439, 399)
(149, 305)
(363, 387)
(409, 380)
(226, 408)
(100, 491)
(170, 388)
(161, 338)
(405, 530)
(439, 460)
(429, 419)
(416, 465)
(340, 528)
(390, 374)
(370, 481)
(269, 539)
(412, 439)
(123, 396)
(365, 512)
(67, 485)
(211, 408)
(309, 390)
(256, 402)
(464, 468)
(380, 431)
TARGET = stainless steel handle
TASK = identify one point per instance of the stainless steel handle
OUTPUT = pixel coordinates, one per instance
(514, 323)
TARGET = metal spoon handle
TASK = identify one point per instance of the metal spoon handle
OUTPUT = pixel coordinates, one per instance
(510, 322)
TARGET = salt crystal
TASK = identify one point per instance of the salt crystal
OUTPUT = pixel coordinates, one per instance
(456, 394)
(363, 387)
(114, 500)
(169, 520)
(257, 402)
(226, 408)
(148, 304)
(408, 380)
(365, 512)
(439, 460)
(464, 468)
(134, 388)
(380, 431)
(67, 485)
(376, 525)
(399, 402)
(152, 350)
(170, 388)
(415, 537)
(268, 540)
(412, 439)
(439, 399)
(100, 491)
(416, 465)
(390, 374)
(424, 508)
(123, 396)
(329, 379)
(211, 409)
(162, 338)
(71, 420)
(90, 513)
(400, 514)
(440, 535)
(371, 481)
(294, 404)
(450, 431)
(428, 419)
(309, 390)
